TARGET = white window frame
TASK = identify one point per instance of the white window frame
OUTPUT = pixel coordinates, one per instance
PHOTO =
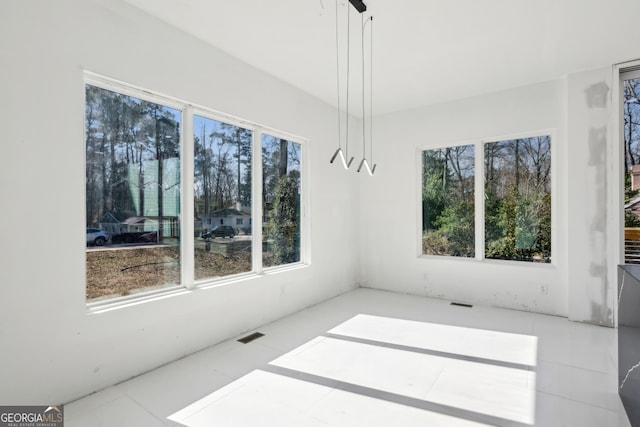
(187, 251)
(479, 184)
(305, 226)
(419, 151)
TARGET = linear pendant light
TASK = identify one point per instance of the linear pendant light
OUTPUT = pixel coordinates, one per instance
(364, 162)
(344, 155)
(339, 152)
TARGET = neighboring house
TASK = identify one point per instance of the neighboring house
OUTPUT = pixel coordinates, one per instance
(114, 222)
(147, 200)
(141, 224)
(633, 206)
(119, 222)
(237, 218)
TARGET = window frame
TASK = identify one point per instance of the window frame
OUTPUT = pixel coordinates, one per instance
(305, 225)
(187, 212)
(474, 144)
(479, 191)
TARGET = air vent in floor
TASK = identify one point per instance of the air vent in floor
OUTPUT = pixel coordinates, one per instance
(459, 304)
(249, 338)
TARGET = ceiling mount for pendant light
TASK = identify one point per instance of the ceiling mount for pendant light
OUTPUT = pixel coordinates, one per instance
(360, 6)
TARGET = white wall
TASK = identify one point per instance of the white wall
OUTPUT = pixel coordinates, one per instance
(52, 350)
(391, 248)
(580, 282)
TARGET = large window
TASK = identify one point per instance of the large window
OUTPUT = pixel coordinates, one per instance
(515, 204)
(140, 235)
(448, 201)
(517, 216)
(132, 193)
(222, 198)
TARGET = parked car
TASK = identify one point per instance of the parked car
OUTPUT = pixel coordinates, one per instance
(220, 231)
(97, 237)
(150, 237)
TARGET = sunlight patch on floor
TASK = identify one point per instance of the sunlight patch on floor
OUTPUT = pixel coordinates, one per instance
(265, 399)
(479, 343)
(498, 391)
(372, 370)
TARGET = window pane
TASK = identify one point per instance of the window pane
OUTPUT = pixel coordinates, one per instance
(132, 194)
(448, 201)
(631, 118)
(281, 201)
(222, 198)
(518, 199)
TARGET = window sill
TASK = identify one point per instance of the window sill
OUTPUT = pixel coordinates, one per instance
(489, 261)
(110, 304)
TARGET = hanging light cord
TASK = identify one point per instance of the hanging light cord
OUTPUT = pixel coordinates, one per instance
(338, 80)
(364, 154)
(347, 108)
(364, 23)
(371, 89)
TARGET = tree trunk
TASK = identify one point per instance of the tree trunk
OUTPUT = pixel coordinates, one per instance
(517, 163)
(159, 157)
(282, 167)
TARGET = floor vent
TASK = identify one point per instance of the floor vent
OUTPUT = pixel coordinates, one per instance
(459, 304)
(249, 338)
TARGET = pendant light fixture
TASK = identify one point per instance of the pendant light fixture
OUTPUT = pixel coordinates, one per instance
(364, 161)
(344, 155)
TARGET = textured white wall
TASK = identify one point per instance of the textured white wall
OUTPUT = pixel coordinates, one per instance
(589, 130)
(52, 350)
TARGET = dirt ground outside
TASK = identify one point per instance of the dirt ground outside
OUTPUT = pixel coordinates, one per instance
(119, 271)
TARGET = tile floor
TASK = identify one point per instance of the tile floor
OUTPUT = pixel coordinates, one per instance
(375, 358)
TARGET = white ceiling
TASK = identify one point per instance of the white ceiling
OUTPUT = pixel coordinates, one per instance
(425, 51)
